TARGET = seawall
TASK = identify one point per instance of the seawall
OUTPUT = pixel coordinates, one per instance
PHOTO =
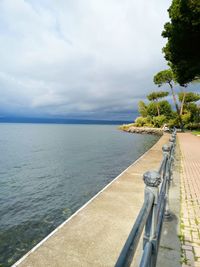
(95, 234)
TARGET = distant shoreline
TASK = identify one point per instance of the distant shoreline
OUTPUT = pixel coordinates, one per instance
(61, 121)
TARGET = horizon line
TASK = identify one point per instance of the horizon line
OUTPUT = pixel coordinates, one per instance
(60, 120)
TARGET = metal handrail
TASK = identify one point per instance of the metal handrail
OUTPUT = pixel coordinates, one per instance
(130, 246)
(146, 254)
(152, 213)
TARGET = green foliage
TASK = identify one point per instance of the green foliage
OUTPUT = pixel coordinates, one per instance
(192, 126)
(154, 96)
(189, 97)
(183, 31)
(188, 121)
(190, 117)
(126, 126)
(172, 123)
(190, 106)
(186, 117)
(152, 109)
(159, 121)
(194, 110)
(165, 109)
(156, 121)
(141, 121)
(163, 77)
(167, 76)
(197, 132)
(164, 106)
(142, 108)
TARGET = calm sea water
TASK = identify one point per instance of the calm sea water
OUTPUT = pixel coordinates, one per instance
(48, 171)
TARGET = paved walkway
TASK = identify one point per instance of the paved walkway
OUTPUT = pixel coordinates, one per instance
(190, 199)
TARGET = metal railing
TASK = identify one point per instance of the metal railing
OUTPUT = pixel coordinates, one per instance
(153, 212)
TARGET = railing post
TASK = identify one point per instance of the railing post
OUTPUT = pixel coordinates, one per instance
(172, 140)
(166, 152)
(152, 179)
(167, 175)
(170, 151)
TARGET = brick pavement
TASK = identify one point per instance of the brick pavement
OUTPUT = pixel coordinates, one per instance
(190, 199)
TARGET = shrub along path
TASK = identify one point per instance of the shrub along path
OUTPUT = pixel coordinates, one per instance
(190, 199)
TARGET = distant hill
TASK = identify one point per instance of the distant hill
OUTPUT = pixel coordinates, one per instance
(60, 121)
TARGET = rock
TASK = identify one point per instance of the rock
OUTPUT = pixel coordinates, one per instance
(143, 130)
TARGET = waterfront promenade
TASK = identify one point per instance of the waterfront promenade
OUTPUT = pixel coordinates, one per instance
(190, 199)
(95, 235)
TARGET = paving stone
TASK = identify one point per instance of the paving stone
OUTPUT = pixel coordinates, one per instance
(190, 190)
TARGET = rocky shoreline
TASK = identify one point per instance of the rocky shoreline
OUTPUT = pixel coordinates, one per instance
(141, 130)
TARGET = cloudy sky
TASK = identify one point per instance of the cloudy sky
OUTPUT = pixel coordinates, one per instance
(91, 59)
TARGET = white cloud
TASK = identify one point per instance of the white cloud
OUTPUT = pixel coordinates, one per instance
(79, 57)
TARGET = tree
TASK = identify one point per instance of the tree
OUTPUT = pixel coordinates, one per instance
(189, 104)
(142, 108)
(189, 97)
(183, 33)
(166, 77)
(166, 109)
(155, 96)
(152, 109)
(182, 101)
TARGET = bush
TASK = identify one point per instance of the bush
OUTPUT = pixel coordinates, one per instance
(152, 109)
(159, 121)
(186, 117)
(142, 108)
(172, 123)
(140, 121)
(149, 120)
(192, 126)
(165, 109)
(143, 122)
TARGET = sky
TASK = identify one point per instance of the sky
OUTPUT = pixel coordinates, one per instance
(90, 59)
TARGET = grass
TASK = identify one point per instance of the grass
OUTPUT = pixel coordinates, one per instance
(196, 132)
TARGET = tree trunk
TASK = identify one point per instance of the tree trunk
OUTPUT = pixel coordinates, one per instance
(176, 105)
(174, 98)
(182, 103)
(158, 109)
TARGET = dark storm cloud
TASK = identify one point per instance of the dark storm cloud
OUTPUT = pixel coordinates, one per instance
(84, 58)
